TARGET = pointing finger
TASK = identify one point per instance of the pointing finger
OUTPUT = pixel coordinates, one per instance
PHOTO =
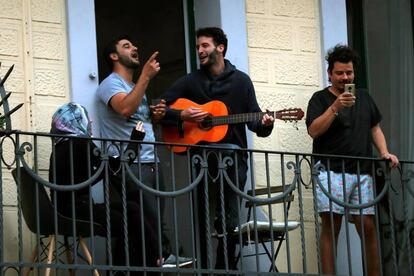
(153, 56)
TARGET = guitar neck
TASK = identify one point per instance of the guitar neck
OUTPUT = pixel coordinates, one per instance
(239, 118)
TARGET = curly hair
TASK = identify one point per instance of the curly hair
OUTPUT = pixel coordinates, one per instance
(341, 53)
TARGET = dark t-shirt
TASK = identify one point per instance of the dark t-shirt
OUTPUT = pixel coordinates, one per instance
(349, 133)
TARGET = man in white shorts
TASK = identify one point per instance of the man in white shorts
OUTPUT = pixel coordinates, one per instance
(342, 123)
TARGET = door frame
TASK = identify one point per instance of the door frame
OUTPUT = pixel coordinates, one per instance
(82, 51)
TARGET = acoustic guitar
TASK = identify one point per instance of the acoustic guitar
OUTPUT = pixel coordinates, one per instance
(215, 126)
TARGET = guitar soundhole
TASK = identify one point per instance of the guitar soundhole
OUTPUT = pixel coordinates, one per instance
(207, 123)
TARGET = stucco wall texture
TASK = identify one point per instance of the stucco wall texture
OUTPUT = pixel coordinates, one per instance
(284, 63)
(33, 38)
(285, 66)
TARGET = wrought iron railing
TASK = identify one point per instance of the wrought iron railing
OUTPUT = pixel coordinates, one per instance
(277, 207)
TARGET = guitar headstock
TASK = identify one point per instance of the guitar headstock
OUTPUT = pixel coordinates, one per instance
(290, 114)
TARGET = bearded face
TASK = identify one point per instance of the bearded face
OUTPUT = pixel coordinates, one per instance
(127, 54)
(129, 61)
(210, 59)
(341, 74)
(207, 51)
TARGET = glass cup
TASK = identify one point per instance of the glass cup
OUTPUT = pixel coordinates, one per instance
(155, 102)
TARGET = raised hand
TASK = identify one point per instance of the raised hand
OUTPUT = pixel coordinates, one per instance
(345, 99)
(140, 126)
(151, 67)
(139, 132)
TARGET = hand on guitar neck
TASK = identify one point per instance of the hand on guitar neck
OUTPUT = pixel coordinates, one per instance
(267, 119)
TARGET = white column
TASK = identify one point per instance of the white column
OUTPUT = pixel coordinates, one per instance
(333, 26)
(83, 65)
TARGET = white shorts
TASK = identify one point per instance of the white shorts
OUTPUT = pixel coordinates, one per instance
(352, 191)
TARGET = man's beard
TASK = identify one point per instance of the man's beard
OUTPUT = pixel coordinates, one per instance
(342, 88)
(338, 85)
(128, 62)
(212, 59)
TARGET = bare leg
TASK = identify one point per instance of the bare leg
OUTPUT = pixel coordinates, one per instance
(87, 254)
(371, 245)
(50, 251)
(32, 259)
(326, 244)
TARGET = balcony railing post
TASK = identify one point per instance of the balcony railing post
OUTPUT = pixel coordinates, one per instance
(1, 212)
(301, 216)
(404, 187)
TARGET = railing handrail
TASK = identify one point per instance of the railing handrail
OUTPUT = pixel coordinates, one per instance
(96, 138)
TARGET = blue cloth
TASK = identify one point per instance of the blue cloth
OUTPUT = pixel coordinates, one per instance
(71, 119)
(115, 126)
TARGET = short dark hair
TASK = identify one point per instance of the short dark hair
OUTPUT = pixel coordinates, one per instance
(341, 53)
(219, 37)
(111, 48)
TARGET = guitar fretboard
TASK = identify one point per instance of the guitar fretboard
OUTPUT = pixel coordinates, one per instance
(239, 118)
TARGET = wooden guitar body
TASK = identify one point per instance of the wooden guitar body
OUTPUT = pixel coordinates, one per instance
(195, 132)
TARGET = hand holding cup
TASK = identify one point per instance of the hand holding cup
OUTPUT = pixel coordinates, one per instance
(158, 108)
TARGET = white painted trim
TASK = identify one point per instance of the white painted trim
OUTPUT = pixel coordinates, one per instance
(233, 22)
(82, 60)
(333, 28)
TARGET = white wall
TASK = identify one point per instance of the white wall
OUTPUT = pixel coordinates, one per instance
(83, 65)
(333, 26)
